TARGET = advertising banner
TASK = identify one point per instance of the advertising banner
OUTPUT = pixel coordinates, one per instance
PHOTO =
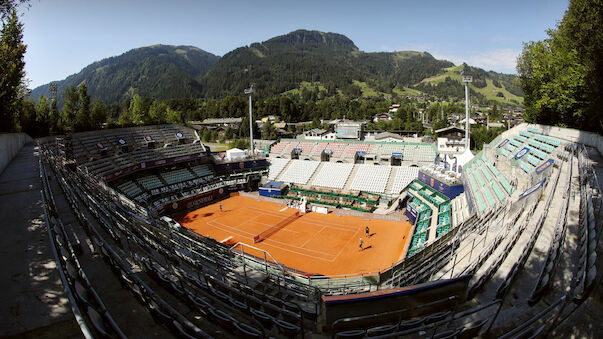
(532, 189)
(522, 152)
(544, 166)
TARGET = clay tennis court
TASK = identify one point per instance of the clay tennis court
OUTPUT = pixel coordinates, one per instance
(314, 243)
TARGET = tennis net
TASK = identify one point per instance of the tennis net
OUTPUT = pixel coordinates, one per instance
(270, 231)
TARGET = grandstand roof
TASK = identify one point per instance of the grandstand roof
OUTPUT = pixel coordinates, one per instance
(449, 128)
(384, 135)
(464, 158)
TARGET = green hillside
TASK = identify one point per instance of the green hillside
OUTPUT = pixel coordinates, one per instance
(157, 71)
(487, 85)
(310, 65)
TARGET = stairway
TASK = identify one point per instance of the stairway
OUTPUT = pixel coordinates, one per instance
(348, 183)
(311, 180)
(391, 179)
(283, 171)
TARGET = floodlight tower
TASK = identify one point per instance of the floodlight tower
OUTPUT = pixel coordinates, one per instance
(250, 91)
(467, 80)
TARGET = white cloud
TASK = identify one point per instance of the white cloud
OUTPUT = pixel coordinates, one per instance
(499, 60)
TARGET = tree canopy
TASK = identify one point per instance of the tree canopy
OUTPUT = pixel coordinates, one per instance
(12, 71)
(561, 76)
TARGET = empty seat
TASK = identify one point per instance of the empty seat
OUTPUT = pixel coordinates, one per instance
(180, 331)
(352, 334)
(432, 318)
(333, 175)
(262, 317)
(380, 330)
(224, 320)
(471, 330)
(370, 178)
(158, 315)
(299, 171)
(287, 328)
(97, 321)
(409, 324)
(403, 177)
(81, 293)
(247, 331)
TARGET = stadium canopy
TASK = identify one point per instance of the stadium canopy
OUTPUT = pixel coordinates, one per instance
(464, 158)
(235, 153)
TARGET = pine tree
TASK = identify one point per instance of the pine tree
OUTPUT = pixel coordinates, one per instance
(82, 117)
(12, 72)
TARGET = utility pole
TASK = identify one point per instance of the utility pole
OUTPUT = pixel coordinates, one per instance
(467, 80)
(250, 92)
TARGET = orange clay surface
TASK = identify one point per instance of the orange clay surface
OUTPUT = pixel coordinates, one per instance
(313, 243)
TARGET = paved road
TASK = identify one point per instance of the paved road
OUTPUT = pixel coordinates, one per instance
(32, 299)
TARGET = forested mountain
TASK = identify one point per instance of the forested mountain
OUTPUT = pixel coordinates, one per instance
(332, 60)
(307, 64)
(157, 71)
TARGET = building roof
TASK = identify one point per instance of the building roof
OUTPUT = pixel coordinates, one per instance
(222, 121)
(471, 121)
(450, 129)
(384, 135)
(316, 131)
(389, 115)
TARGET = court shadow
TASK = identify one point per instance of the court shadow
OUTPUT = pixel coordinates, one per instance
(370, 235)
(366, 248)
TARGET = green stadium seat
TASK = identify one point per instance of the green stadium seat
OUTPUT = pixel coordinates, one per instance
(505, 184)
(524, 166)
(510, 148)
(486, 174)
(498, 191)
(493, 169)
(480, 180)
(538, 153)
(532, 160)
(489, 197)
(480, 202)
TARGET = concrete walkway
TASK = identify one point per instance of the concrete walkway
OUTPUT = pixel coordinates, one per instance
(33, 301)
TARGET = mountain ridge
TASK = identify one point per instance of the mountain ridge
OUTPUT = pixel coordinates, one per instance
(278, 65)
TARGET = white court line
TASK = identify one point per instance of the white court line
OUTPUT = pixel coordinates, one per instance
(342, 227)
(284, 247)
(225, 240)
(288, 247)
(284, 208)
(312, 237)
(344, 246)
(246, 222)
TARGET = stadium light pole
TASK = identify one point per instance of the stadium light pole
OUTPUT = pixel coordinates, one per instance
(250, 92)
(467, 80)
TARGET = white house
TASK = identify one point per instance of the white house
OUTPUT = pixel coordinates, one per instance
(317, 134)
(451, 140)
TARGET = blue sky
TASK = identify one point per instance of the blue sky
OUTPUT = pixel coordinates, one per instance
(63, 36)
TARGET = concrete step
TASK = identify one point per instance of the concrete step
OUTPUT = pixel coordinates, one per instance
(391, 179)
(311, 180)
(348, 183)
(283, 171)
